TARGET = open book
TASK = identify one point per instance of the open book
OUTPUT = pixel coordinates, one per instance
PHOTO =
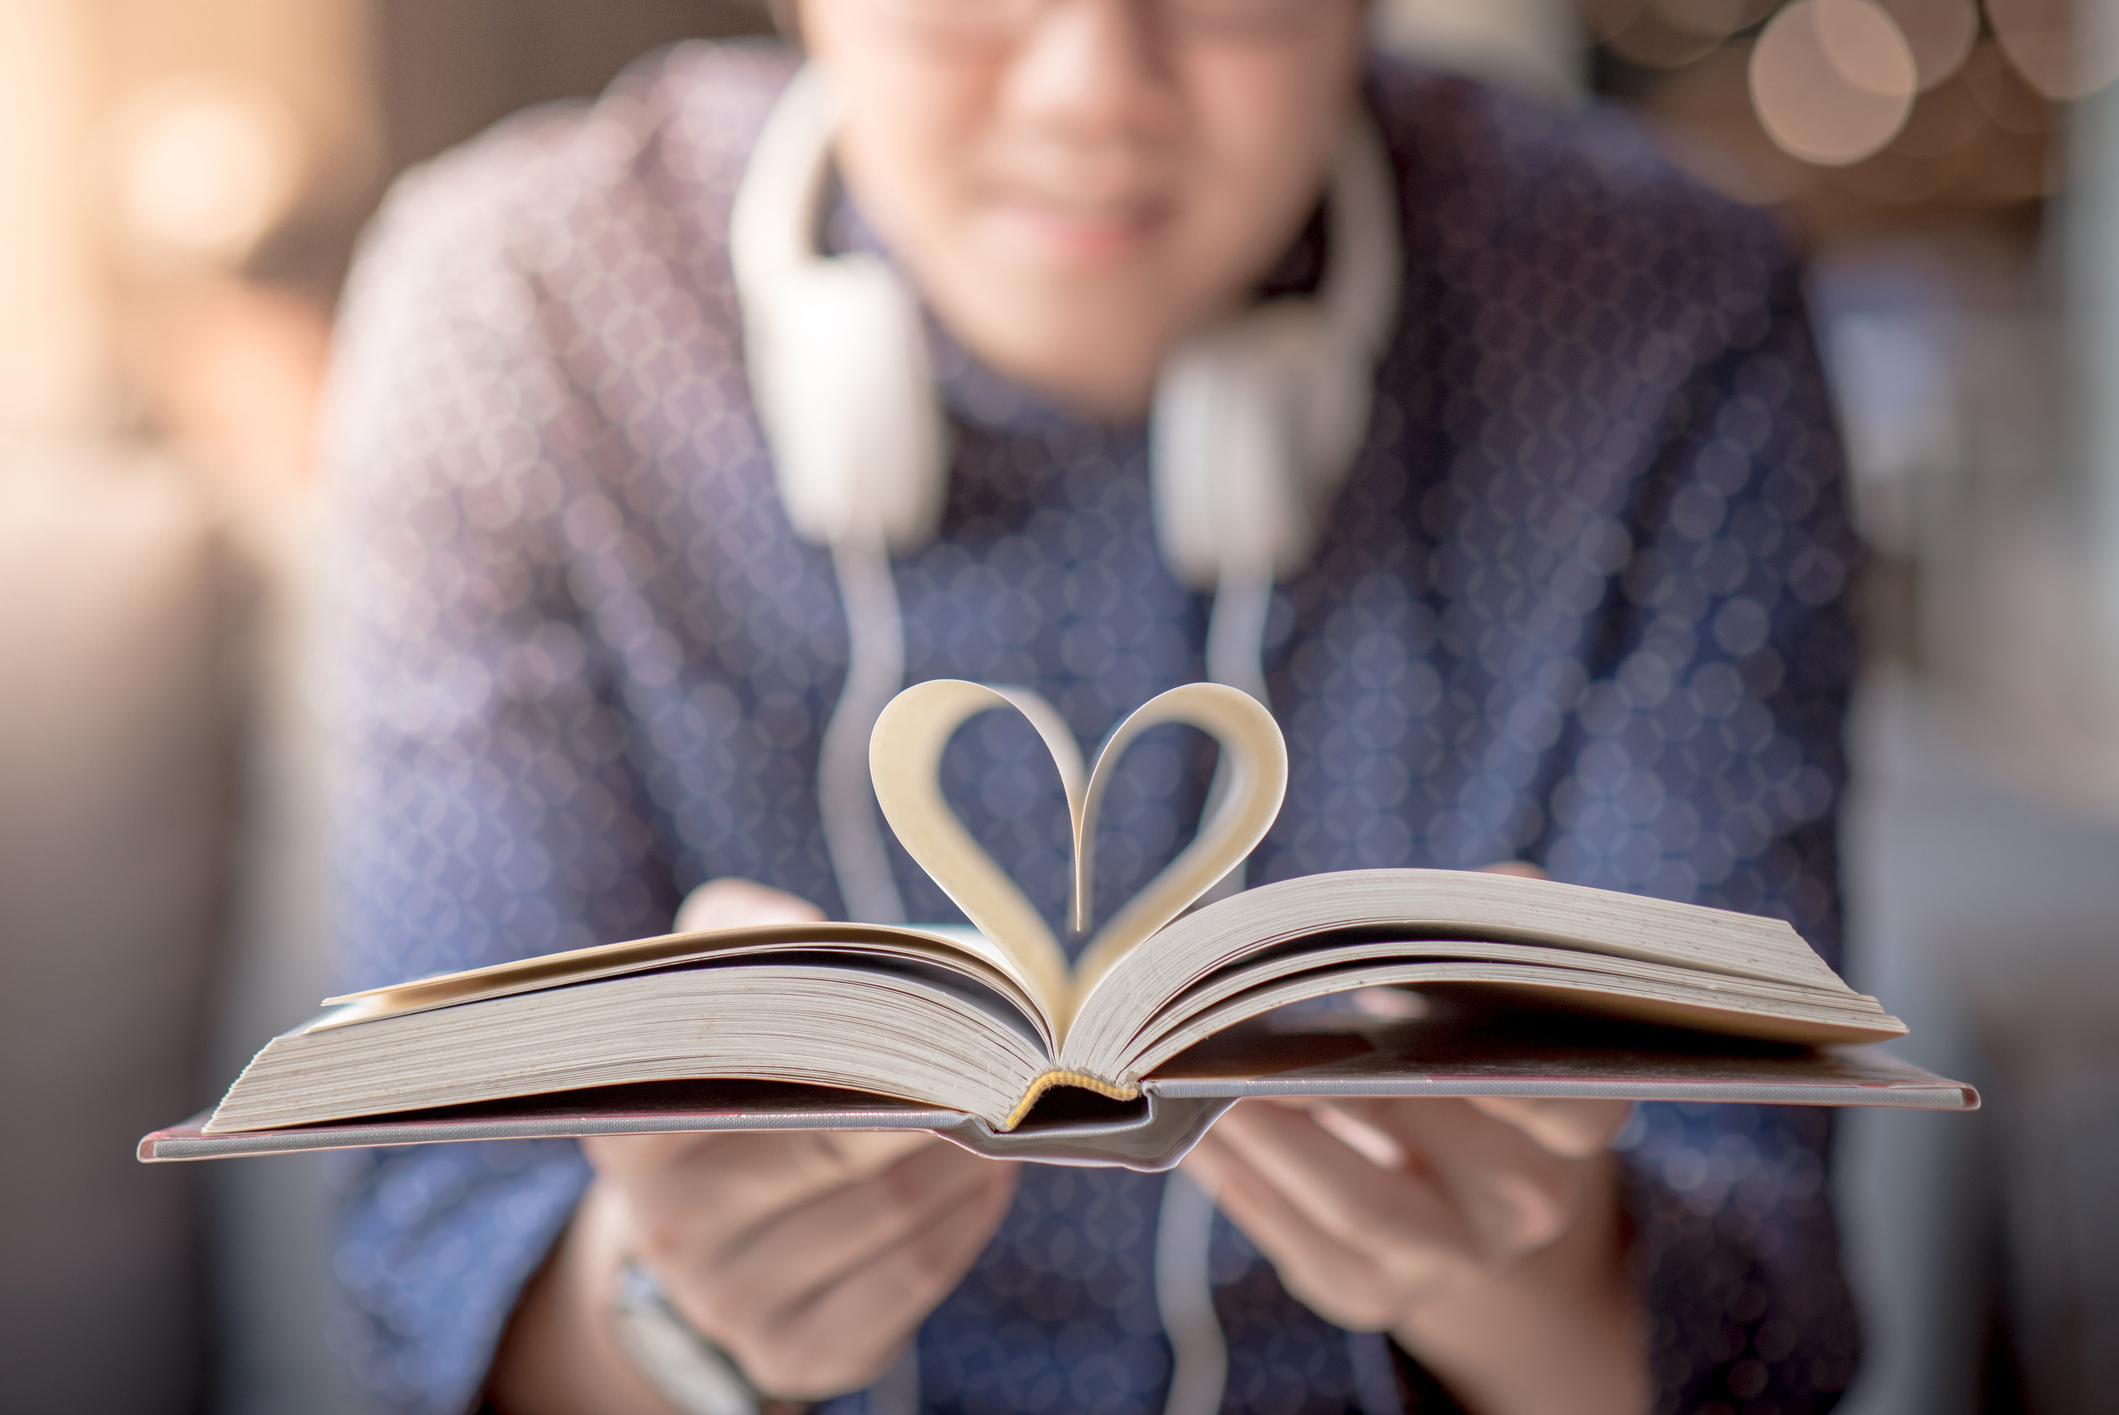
(1375, 982)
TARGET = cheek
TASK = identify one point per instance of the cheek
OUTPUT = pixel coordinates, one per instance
(908, 148)
(1265, 129)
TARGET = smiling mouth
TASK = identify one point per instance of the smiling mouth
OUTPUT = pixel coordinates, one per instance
(1073, 230)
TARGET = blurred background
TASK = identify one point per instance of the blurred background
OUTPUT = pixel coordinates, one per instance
(182, 186)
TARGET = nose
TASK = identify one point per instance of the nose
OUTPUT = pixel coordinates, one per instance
(1093, 73)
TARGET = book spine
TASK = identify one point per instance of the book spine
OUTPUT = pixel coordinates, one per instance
(1109, 1089)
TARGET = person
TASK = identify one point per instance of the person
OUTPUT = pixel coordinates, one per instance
(1578, 602)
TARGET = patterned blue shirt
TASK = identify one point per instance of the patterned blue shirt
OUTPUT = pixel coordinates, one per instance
(1580, 602)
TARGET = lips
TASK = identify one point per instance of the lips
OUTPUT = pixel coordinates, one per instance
(1073, 227)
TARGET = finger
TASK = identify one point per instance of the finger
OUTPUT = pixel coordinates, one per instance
(1521, 869)
(816, 1244)
(802, 1160)
(1576, 1129)
(1372, 1142)
(621, 1156)
(738, 903)
(783, 1265)
(693, 1199)
(1514, 1195)
(846, 1335)
(1335, 1186)
(1363, 1288)
(862, 1153)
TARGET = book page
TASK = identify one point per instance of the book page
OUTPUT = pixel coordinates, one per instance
(1844, 1008)
(1443, 904)
(905, 763)
(905, 757)
(907, 1029)
(960, 950)
(1258, 757)
(1664, 1002)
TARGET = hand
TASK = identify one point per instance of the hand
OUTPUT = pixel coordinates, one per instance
(810, 1258)
(1483, 1235)
(741, 903)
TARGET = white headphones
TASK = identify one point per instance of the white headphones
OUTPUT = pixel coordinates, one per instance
(1256, 422)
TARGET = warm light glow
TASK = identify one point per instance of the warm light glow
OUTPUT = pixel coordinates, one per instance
(2064, 51)
(2006, 97)
(204, 167)
(51, 335)
(1832, 80)
(1939, 32)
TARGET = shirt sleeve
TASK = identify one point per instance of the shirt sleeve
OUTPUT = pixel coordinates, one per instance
(483, 807)
(1713, 753)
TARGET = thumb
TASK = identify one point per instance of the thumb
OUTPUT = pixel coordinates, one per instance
(1572, 1129)
(740, 903)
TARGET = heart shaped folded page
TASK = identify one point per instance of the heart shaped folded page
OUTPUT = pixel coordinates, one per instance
(905, 759)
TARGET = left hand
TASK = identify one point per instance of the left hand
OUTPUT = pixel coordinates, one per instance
(1483, 1235)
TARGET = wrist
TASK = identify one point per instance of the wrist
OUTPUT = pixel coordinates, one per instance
(685, 1366)
(559, 1355)
(1559, 1328)
(564, 1351)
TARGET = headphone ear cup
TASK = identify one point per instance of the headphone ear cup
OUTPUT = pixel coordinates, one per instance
(839, 367)
(1254, 421)
(1258, 420)
(845, 385)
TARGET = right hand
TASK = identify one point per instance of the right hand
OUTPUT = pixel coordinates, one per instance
(810, 1258)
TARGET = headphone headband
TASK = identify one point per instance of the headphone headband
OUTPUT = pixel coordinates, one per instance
(837, 354)
(1256, 419)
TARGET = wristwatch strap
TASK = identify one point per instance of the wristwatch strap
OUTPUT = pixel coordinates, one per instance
(676, 1358)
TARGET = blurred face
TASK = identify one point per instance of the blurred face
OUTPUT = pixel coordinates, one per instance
(1076, 185)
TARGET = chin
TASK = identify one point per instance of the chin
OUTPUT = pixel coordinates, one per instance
(1090, 333)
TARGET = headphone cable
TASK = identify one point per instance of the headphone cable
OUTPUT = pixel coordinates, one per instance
(875, 671)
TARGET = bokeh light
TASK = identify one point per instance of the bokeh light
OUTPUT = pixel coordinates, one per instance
(204, 166)
(2063, 50)
(1939, 32)
(1946, 120)
(2004, 94)
(1832, 80)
